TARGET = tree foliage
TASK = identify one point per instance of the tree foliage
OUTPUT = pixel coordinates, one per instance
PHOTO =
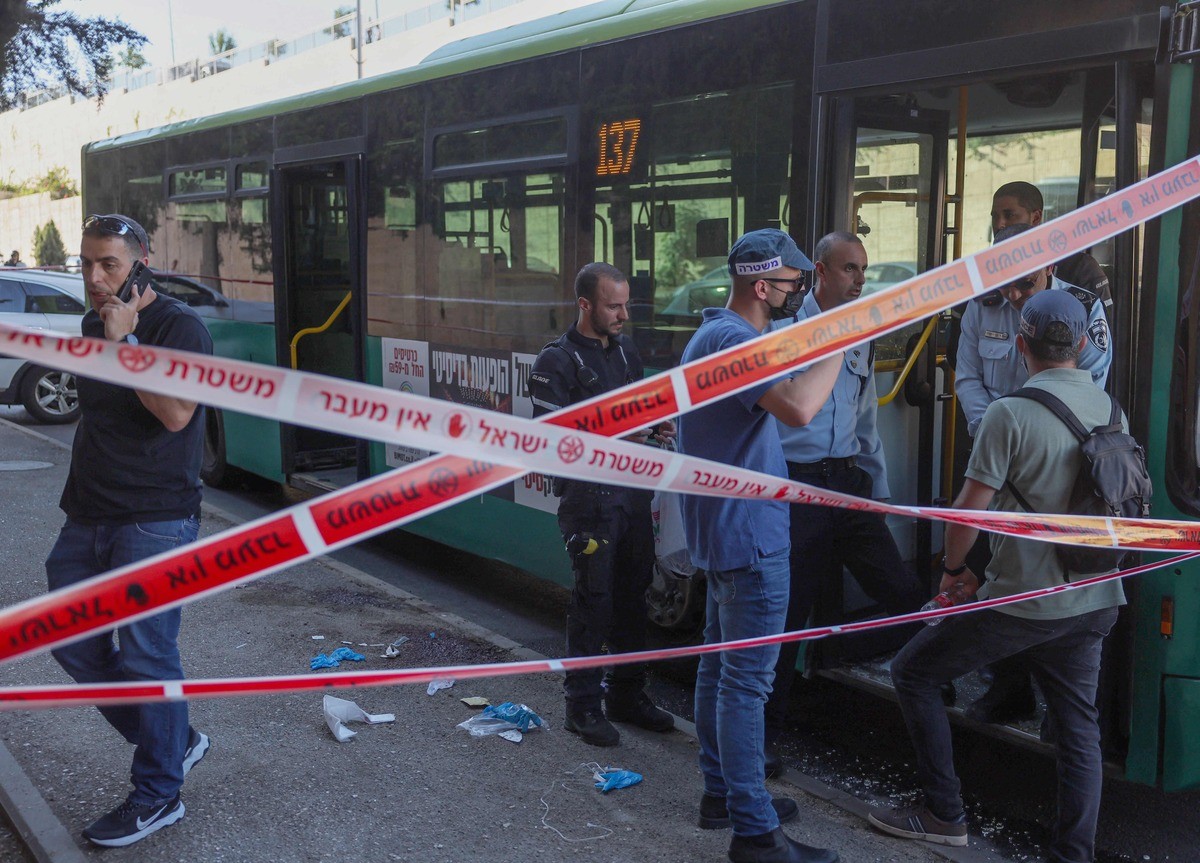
(221, 41)
(48, 248)
(41, 47)
(131, 58)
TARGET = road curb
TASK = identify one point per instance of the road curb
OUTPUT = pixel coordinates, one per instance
(33, 821)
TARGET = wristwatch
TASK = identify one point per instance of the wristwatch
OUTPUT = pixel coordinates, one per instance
(958, 570)
(129, 339)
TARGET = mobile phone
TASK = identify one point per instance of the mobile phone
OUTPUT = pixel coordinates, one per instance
(139, 274)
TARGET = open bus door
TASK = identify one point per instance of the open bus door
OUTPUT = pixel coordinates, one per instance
(887, 185)
(318, 264)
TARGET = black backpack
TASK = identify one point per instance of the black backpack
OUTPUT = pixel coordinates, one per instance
(1112, 482)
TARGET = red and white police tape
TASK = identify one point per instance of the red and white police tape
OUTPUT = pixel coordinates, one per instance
(83, 695)
(378, 504)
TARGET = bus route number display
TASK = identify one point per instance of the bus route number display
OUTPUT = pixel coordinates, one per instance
(618, 144)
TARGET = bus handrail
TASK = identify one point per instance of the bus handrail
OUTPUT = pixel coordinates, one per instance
(308, 331)
(912, 361)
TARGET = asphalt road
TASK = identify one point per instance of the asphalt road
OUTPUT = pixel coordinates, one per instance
(849, 739)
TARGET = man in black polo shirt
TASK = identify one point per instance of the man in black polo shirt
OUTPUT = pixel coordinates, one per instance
(133, 491)
(607, 529)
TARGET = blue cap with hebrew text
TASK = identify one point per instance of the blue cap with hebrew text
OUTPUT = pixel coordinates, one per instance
(765, 250)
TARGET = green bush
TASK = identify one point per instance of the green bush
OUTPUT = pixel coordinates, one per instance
(48, 248)
(56, 182)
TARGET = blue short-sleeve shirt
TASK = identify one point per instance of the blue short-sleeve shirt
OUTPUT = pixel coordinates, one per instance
(730, 533)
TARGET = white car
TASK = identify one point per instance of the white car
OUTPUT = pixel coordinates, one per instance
(44, 301)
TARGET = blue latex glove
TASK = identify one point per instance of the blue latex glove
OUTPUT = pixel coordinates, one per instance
(334, 659)
(617, 779)
(518, 714)
(345, 653)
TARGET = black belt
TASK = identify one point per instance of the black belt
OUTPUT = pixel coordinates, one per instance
(825, 466)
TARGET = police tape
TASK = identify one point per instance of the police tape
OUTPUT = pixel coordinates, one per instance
(374, 505)
(103, 694)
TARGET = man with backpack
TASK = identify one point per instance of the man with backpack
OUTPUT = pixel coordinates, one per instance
(1025, 457)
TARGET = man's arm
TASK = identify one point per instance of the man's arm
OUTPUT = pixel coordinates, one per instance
(549, 387)
(794, 401)
(960, 537)
(968, 372)
(1096, 356)
(870, 452)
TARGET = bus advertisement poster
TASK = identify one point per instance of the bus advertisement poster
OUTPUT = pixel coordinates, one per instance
(405, 368)
(533, 489)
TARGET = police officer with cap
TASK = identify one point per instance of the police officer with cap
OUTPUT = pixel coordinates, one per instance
(607, 529)
(988, 367)
(839, 449)
(742, 545)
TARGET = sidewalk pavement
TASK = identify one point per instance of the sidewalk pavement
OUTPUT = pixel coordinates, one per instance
(276, 786)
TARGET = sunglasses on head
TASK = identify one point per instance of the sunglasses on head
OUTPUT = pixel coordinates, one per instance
(114, 225)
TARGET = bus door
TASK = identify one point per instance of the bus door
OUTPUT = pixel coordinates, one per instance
(318, 277)
(887, 185)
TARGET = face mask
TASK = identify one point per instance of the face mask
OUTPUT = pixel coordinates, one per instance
(790, 308)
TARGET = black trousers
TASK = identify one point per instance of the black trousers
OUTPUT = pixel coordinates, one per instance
(824, 540)
(608, 602)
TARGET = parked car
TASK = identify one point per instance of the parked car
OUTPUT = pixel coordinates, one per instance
(208, 302)
(45, 301)
(880, 276)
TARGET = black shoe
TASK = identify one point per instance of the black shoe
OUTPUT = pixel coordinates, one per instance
(639, 710)
(130, 822)
(772, 760)
(777, 847)
(197, 748)
(592, 727)
(714, 811)
(1002, 704)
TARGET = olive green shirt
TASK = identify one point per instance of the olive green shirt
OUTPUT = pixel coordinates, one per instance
(1023, 442)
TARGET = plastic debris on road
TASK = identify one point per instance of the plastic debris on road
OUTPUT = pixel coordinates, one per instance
(475, 701)
(334, 658)
(612, 778)
(436, 685)
(512, 734)
(339, 711)
(496, 718)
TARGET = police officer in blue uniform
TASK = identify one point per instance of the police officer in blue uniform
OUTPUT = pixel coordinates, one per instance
(988, 367)
(607, 529)
(839, 449)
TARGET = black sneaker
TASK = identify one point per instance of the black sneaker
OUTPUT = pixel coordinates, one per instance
(714, 811)
(639, 710)
(592, 727)
(917, 822)
(131, 822)
(197, 748)
(777, 847)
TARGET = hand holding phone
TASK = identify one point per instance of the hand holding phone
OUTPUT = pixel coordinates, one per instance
(139, 274)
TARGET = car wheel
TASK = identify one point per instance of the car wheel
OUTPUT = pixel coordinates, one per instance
(50, 396)
(214, 469)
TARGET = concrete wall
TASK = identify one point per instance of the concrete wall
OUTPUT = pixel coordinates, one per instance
(20, 217)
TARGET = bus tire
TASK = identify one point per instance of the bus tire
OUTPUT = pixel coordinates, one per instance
(214, 469)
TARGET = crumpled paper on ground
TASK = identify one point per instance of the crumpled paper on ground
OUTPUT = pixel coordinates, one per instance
(339, 711)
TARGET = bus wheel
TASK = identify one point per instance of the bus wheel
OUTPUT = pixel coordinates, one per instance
(675, 601)
(215, 470)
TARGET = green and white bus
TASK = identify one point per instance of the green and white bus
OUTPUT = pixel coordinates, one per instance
(421, 230)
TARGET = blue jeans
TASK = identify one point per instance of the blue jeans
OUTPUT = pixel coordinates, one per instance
(147, 648)
(732, 687)
(1064, 656)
